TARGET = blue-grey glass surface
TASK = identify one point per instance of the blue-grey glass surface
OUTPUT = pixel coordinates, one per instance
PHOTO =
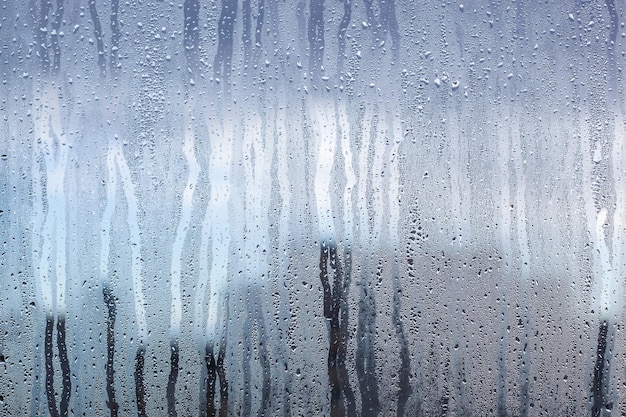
(312, 208)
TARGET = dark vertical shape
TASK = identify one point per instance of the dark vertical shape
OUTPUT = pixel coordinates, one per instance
(54, 37)
(371, 18)
(389, 24)
(263, 358)
(97, 32)
(258, 31)
(316, 37)
(365, 352)
(330, 313)
(222, 64)
(41, 36)
(259, 24)
(202, 410)
(221, 373)
(247, 346)
(502, 373)
(610, 4)
(598, 387)
(341, 32)
(171, 381)
(525, 373)
(211, 368)
(35, 397)
(324, 279)
(65, 368)
(301, 23)
(140, 389)
(404, 384)
(414, 243)
(342, 304)
(444, 401)
(49, 354)
(335, 311)
(109, 302)
(394, 32)
(215, 369)
(613, 71)
(335, 336)
(191, 32)
(115, 35)
(246, 37)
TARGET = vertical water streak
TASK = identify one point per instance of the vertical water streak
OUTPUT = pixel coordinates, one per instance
(258, 149)
(215, 371)
(137, 276)
(598, 385)
(222, 64)
(301, 24)
(619, 235)
(203, 278)
(105, 281)
(109, 302)
(181, 231)
(610, 302)
(369, 241)
(283, 310)
(389, 24)
(107, 216)
(326, 252)
(343, 124)
(221, 374)
(57, 161)
(219, 173)
(97, 32)
(341, 33)
(54, 37)
(41, 35)
(115, 36)
(191, 31)
(371, 21)
(258, 33)
(614, 21)
(521, 229)
(135, 246)
(66, 382)
(365, 134)
(211, 369)
(170, 393)
(216, 228)
(140, 387)
(49, 357)
(52, 149)
(404, 384)
(325, 131)
(177, 250)
(254, 244)
(40, 246)
(504, 218)
(377, 172)
(342, 286)
(316, 37)
(246, 21)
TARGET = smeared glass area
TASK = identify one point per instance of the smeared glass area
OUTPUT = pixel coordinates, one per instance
(340, 208)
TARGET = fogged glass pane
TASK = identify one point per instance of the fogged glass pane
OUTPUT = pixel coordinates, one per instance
(338, 208)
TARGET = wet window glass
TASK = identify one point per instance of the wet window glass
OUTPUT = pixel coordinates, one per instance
(312, 207)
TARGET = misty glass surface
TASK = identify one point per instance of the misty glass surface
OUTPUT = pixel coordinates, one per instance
(312, 208)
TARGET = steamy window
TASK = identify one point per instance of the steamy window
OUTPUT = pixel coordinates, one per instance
(312, 207)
